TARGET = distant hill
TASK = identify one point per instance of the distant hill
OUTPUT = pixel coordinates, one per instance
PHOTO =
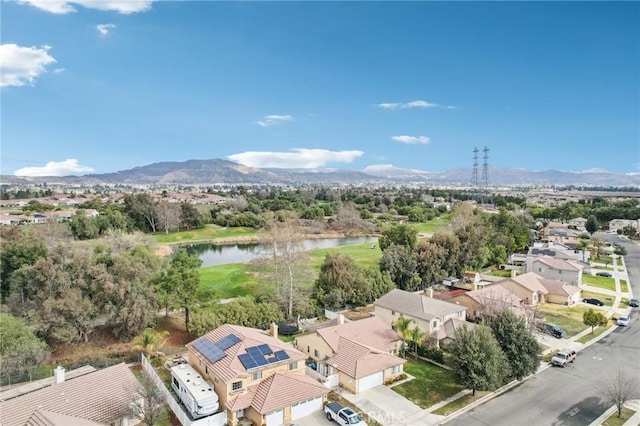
(208, 172)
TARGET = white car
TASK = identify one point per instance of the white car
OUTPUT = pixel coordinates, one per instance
(623, 321)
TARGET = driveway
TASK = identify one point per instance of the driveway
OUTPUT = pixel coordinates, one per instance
(314, 419)
(390, 408)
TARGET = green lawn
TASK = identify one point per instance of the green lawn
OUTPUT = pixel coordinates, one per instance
(623, 286)
(602, 282)
(431, 385)
(614, 420)
(208, 233)
(608, 300)
(229, 280)
(433, 226)
(569, 319)
(500, 273)
(602, 259)
(598, 331)
(362, 254)
(457, 404)
(619, 261)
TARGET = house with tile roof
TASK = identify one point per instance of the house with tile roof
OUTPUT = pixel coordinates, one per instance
(101, 398)
(561, 293)
(527, 287)
(556, 269)
(489, 301)
(257, 377)
(370, 359)
(427, 313)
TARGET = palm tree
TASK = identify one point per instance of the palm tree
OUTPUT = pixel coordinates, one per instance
(597, 243)
(416, 337)
(401, 326)
(150, 342)
(583, 245)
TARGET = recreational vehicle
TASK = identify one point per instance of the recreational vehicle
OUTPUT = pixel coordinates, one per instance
(196, 393)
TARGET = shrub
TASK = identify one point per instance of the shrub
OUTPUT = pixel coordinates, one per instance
(431, 353)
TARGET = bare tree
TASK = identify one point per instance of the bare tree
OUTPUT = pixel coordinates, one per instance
(148, 401)
(462, 215)
(619, 388)
(169, 216)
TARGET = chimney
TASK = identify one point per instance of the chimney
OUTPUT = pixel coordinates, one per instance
(430, 292)
(58, 375)
(513, 273)
(273, 330)
(475, 285)
(340, 319)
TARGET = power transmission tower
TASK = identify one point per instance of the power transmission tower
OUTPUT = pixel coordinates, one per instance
(485, 167)
(474, 174)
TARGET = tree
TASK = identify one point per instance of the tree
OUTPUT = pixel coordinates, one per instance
(401, 326)
(399, 234)
(401, 267)
(148, 401)
(583, 245)
(143, 210)
(19, 347)
(592, 224)
(619, 388)
(619, 250)
(184, 277)
(337, 277)
(83, 227)
(416, 338)
(168, 216)
(592, 319)
(517, 342)
(244, 311)
(597, 243)
(22, 250)
(150, 342)
(477, 360)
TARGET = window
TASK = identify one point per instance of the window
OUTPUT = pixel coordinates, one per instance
(560, 272)
(434, 324)
(308, 349)
(256, 375)
(236, 386)
(316, 353)
(215, 380)
(206, 370)
(539, 269)
(293, 365)
(393, 312)
(396, 369)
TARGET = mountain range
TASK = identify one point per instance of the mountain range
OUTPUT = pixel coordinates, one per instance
(217, 171)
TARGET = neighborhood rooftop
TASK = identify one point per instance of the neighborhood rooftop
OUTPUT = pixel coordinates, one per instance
(417, 304)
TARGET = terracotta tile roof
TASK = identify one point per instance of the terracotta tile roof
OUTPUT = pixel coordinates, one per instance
(370, 331)
(560, 287)
(277, 391)
(554, 263)
(358, 360)
(449, 294)
(530, 281)
(417, 305)
(48, 418)
(100, 397)
(494, 292)
(230, 367)
(451, 326)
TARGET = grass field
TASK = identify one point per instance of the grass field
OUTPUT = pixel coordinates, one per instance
(362, 254)
(623, 286)
(432, 226)
(209, 232)
(230, 280)
(608, 300)
(569, 319)
(598, 331)
(431, 385)
(602, 282)
(457, 404)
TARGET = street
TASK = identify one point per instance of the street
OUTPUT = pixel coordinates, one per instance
(569, 396)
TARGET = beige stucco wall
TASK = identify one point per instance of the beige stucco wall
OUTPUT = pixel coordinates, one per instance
(523, 293)
(313, 341)
(389, 317)
(347, 382)
(467, 302)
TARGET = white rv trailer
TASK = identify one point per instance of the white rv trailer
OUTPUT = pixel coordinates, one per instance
(196, 393)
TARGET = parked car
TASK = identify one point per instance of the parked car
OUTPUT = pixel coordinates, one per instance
(634, 303)
(593, 301)
(553, 330)
(343, 415)
(604, 274)
(563, 357)
(623, 321)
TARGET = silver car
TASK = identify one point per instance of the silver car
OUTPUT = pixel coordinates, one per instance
(624, 321)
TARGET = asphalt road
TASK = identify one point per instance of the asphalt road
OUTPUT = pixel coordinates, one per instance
(569, 396)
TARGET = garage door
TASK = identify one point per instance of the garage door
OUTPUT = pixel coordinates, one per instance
(370, 381)
(305, 408)
(275, 418)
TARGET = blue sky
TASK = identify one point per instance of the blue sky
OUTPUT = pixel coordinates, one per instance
(102, 86)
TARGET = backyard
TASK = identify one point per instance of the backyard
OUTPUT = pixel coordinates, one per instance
(431, 384)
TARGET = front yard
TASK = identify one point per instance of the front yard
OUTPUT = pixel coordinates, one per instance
(431, 385)
(606, 299)
(567, 318)
(602, 282)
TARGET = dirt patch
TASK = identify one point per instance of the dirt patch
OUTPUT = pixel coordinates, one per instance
(103, 344)
(360, 313)
(178, 335)
(163, 250)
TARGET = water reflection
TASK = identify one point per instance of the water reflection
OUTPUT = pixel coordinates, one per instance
(212, 254)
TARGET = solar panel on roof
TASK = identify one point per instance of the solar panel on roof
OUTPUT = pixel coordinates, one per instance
(247, 361)
(255, 352)
(265, 349)
(281, 355)
(209, 350)
(228, 341)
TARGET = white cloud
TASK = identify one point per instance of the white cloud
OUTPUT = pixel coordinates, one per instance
(67, 6)
(270, 120)
(412, 104)
(20, 65)
(299, 158)
(67, 167)
(104, 29)
(411, 139)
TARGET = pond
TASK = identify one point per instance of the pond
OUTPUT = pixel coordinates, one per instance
(212, 254)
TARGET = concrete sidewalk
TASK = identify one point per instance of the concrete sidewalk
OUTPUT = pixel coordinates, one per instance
(612, 411)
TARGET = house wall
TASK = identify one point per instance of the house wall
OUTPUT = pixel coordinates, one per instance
(347, 382)
(529, 297)
(255, 417)
(389, 317)
(308, 343)
(557, 299)
(571, 277)
(467, 302)
(389, 374)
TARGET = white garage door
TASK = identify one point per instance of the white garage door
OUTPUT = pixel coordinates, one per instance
(305, 408)
(275, 418)
(370, 381)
